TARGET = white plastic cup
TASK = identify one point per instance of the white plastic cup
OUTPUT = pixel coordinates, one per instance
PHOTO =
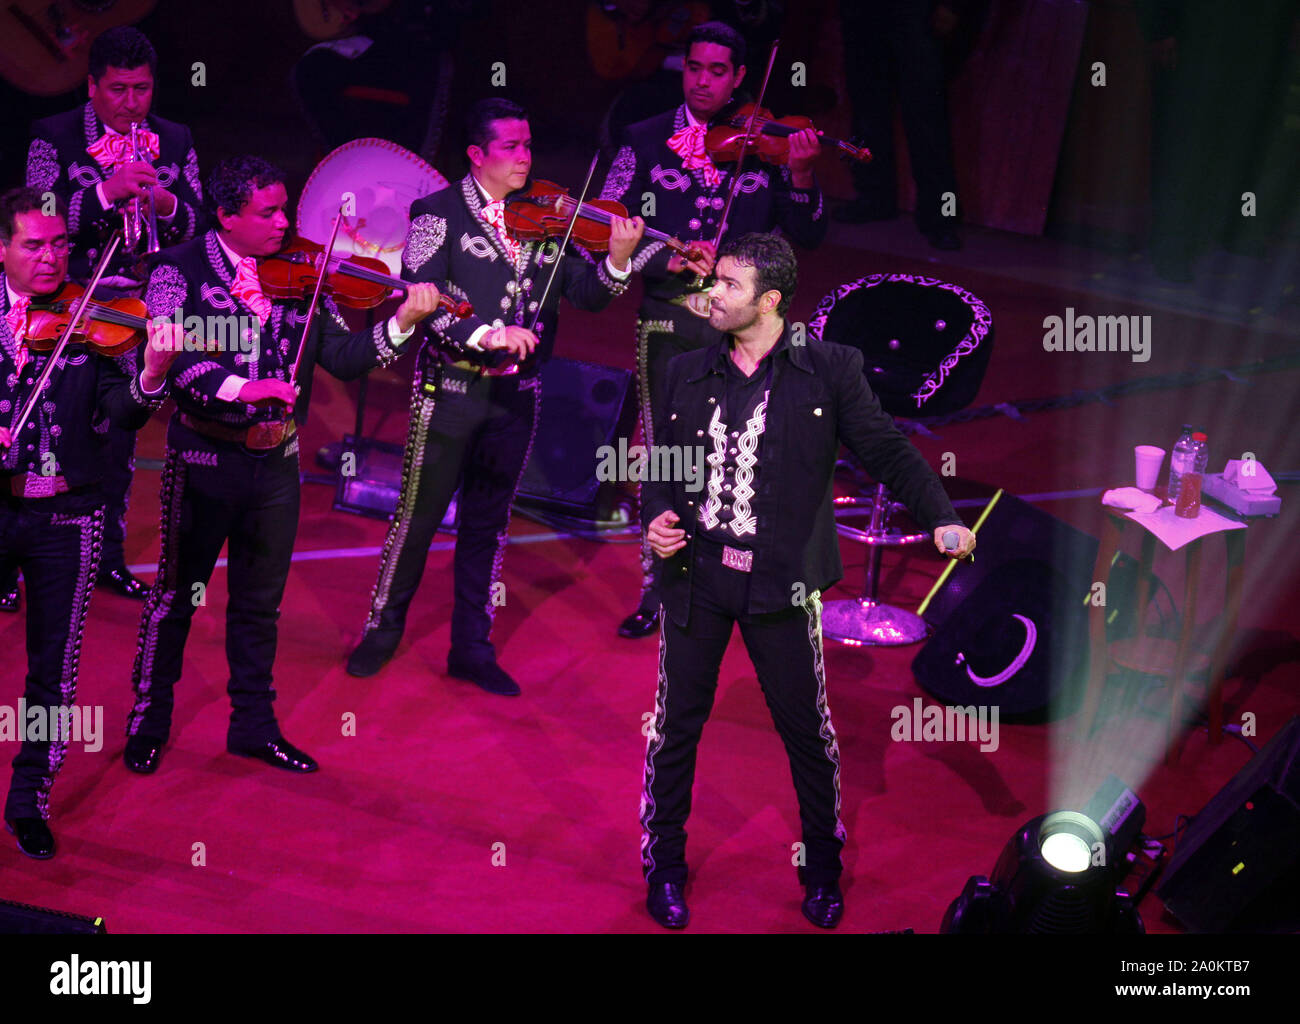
(1148, 459)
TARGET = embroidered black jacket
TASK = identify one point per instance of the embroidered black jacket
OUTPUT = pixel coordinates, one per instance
(688, 208)
(818, 400)
(451, 244)
(66, 434)
(58, 161)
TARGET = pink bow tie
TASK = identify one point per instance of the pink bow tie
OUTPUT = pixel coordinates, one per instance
(248, 289)
(689, 145)
(17, 319)
(115, 150)
(495, 214)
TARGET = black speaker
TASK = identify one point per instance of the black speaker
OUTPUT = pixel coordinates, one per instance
(23, 919)
(1011, 628)
(1235, 868)
(370, 480)
(584, 406)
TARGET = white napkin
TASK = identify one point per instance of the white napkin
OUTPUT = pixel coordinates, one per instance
(1258, 482)
(1131, 498)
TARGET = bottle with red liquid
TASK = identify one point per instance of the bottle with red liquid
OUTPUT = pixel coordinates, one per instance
(1188, 505)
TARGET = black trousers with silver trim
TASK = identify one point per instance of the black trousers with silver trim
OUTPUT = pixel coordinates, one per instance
(56, 542)
(786, 650)
(475, 432)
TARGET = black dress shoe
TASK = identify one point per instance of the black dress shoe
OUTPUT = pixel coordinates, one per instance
(373, 653)
(122, 582)
(278, 754)
(489, 676)
(34, 836)
(10, 600)
(667, 905)
(142, 754)
(823, 905)
(641, 622)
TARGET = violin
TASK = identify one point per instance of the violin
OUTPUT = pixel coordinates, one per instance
(109, 328)
(358, 282)
(544, 209)
(770, 139)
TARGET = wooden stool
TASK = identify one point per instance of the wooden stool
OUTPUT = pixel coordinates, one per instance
(1155, 655)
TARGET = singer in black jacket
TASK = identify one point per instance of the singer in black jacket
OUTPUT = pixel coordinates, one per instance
(757, 546)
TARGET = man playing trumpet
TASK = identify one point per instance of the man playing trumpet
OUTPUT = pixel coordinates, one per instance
(86, 158)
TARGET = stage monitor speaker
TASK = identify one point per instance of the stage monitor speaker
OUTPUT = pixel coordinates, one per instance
(584, 406)
(23, 919)
(1011, 628)
(370, 480)
(1235, 868)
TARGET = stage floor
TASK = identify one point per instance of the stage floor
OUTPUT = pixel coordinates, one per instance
(450, 809)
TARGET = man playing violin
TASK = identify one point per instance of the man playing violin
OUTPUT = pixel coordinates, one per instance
(473, 422)
(84, 157)
(231, 468)
(666, 157)
(51, 511)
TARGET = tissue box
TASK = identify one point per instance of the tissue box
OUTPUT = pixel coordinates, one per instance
(1244, 502)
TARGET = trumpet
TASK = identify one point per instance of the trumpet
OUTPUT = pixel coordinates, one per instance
(135, 219)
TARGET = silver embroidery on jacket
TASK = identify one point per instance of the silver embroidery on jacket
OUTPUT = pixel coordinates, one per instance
(425, 238)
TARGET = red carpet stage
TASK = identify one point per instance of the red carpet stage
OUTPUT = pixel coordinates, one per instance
(439, 807)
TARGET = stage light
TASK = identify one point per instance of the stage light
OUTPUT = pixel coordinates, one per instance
(1059, 874)
(1067, 840)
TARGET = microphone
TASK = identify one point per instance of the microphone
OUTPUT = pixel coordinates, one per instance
(951, 540)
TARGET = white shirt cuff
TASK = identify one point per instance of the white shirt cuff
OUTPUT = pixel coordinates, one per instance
(475, 340)
(395, 334)
(617, 275)
(157, 391)
(103, 200)
(230, 388)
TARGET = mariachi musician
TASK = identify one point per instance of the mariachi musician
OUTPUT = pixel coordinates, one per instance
(231, 468)
(666, 157)
(51, 514)
(473, 422)
(85, 156)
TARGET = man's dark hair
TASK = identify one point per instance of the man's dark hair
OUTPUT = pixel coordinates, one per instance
(478, 122)
(232, 182)
(122, 47)
(23, 200)
(773, 261)
(722, 34)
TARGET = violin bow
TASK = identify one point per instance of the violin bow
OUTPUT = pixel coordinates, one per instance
(577, 211)
(315, 298)
(77, 311)
(740, 160)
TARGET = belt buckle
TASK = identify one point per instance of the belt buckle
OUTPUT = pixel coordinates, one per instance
(735, 558)
(37, 486)
(265, 436)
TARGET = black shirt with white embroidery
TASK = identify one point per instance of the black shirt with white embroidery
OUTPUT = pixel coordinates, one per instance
(733, 447)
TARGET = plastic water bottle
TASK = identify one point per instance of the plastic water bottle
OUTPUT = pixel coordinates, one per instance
(1181, 459)
(1189, 490)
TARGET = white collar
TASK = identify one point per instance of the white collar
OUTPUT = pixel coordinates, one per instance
(691, 120)
(13, 295)
(230, 253)
(482, 191)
